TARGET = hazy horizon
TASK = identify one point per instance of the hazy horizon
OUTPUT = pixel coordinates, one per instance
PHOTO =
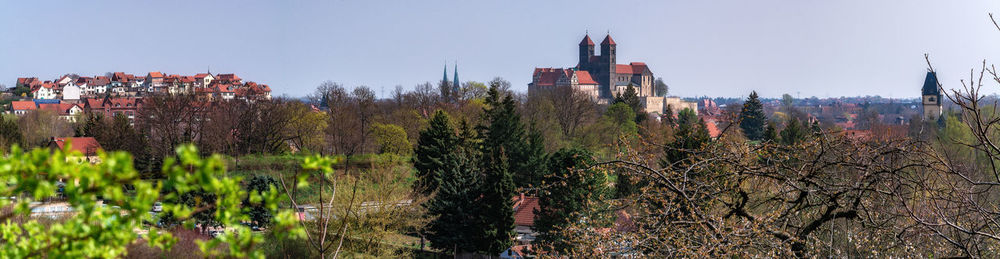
(718, 49)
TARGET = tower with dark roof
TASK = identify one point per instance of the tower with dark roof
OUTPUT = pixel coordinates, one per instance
(444, 76)
(586, 53)
(931, 95)
(455, 85)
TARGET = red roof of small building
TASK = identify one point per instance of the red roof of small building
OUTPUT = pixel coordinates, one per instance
(201, 76)
(59, 108)
(23, 105)
(155, 74)
(524, 210)
(227, 77)
(87, 146)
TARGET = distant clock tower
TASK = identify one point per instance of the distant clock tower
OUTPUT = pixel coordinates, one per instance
(931, 97)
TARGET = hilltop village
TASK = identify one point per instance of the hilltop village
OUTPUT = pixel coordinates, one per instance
(120, 93)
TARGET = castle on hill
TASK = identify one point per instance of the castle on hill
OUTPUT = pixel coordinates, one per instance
(602, 78)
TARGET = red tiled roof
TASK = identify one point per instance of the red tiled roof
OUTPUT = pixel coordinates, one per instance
(713, 130)
(586, 41)
(201, 76)
(227, 77)
(60, 108)
(524, 210)
(608, 41)
(548, 76)
(638, 67)
(100, 81)
(155, 74)
(84, 145)
(623, 69)
(584, 78)
(23, 105)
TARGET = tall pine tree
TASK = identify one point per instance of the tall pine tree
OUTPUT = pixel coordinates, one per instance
(433, 152)
(793, 132)
(455, 227)
(502, 141)
(752, 118)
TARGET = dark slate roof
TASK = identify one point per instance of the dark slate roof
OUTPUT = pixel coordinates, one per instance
(931, 85)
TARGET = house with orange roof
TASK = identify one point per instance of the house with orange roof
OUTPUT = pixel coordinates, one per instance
(524, 218)
(66, 111)
(22, 107)
(203, 79)
(85, 149)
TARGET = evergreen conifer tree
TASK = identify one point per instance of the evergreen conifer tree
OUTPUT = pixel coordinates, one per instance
(433, 152)
(691, 134)
(793, 132)
(752, 118)
(771, 132)
(455, 227)
(502, 140)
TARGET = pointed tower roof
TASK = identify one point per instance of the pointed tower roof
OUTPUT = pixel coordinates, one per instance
(931, 85)
(444, 76)
(456, 84)
(586, 41)
(608, 41)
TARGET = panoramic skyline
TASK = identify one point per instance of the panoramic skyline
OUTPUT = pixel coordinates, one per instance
(721, 48)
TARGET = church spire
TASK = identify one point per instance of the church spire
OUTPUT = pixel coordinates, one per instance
(444, 76)
(456, 86)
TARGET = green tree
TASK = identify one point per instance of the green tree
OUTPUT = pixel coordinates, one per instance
(691, 135)
(631, 98)
(752, 118)
(771, 132)
(787, 100)
(569, 190)
(661, 88)
(502, 136)
(391, 138)
(668, 117)
(258, 213)
(433, 152)
(793, 132)
(623, 118)
(455, 225)
(10, 134)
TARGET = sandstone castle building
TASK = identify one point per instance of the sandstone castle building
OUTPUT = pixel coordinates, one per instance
(602, 78)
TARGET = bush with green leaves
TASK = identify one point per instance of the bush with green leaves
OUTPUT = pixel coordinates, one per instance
(109, 204)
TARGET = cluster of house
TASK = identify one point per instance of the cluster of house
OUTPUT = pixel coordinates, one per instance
(120, 84)
(121, 93)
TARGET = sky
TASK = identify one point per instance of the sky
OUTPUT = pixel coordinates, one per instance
(700, 48)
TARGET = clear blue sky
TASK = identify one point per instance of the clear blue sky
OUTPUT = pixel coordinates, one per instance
(714, 48)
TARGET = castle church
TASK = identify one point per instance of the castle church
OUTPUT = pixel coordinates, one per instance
(602, 78)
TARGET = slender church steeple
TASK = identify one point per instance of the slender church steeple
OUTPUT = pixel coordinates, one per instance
(455, 86)
(444, 76)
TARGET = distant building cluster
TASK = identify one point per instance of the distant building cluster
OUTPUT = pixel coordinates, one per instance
(121, 93)
(600, 77)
